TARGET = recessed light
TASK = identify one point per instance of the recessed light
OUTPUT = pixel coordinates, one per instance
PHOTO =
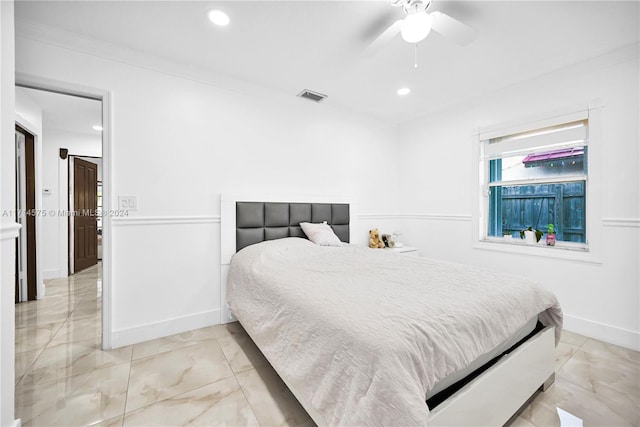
(403, 91)
(219, 18)
(97, 127)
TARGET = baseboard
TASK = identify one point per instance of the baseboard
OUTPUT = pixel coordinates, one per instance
(51, 274)
(164, 328)
(603, 332)
(16, 423)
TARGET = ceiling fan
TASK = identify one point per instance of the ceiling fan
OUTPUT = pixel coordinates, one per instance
(418, 23)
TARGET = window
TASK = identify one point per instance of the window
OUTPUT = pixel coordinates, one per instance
(537, 178)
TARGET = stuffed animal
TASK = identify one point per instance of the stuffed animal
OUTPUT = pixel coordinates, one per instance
(374, 239)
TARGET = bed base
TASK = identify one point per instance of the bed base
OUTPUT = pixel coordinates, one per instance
(497, 394)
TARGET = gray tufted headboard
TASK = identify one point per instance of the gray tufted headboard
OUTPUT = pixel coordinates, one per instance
(259, 221)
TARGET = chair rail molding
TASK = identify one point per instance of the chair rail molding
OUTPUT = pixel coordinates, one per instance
(378, 216)
(9, 230)
(164, 220)
(424, 217)
(621, 222)
(438, 217)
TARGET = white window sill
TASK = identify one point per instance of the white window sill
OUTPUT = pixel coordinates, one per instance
(517, 246)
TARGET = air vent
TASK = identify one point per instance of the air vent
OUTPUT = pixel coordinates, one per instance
(313, 96)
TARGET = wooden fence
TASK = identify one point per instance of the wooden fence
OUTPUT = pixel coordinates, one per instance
(522, 206)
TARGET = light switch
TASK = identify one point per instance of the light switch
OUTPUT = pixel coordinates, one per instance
(128, 203)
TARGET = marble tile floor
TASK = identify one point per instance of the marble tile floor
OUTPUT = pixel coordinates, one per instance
(216, 376)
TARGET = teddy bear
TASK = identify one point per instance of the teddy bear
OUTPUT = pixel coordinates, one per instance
(374, 239)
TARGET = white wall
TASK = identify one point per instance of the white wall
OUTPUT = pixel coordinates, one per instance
(8, 232)
(177, 145)
(599, 299)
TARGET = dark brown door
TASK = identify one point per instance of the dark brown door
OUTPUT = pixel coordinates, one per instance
(30, 189)
(85, 204)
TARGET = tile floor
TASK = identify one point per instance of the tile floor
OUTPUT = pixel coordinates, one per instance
(216, 376)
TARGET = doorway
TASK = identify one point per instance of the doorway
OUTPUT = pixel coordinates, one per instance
(26, 268)
(85, 225)
(42, 103)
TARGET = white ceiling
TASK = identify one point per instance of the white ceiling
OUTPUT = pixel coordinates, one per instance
(288, 46)
(66, 113)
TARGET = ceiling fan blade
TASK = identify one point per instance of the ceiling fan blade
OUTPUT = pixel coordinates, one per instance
(384, 38)
(452, 28)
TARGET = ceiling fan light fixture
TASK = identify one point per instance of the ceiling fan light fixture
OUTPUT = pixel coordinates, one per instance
(403, 91)
(416, 26)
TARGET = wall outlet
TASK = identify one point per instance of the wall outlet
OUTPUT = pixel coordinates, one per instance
(128, 203)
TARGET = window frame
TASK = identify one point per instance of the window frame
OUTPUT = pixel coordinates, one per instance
(589, 251)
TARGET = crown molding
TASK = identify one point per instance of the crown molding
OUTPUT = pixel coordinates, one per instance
(98, 48)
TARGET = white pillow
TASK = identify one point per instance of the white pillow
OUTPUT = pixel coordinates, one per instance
(320, 234)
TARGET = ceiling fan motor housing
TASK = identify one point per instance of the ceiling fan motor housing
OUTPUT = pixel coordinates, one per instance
(417, 24)
(413, 6)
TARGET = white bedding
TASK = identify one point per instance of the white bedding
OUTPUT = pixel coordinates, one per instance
(362, 335)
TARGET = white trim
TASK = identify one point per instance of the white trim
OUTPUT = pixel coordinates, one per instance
(163, 220)
(621, 222)
(535, 181)
(379, 216)
(567, 115)
(424, 217)
(69, 188)
(602, 331)
(9, 230)
(27, 125)
(439, 217)
(165, 327)
(506, 146)
(63, 202)
(557, 253)
(36, 131)
(107, 198)
(43, 83)
(52, 85)
(16, 423)
(607, 222)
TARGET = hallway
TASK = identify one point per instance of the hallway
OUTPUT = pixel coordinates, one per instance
(210, 376)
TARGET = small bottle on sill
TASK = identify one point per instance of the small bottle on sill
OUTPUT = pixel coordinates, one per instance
(551, 235)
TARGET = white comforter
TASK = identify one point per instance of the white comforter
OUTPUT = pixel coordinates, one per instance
(362, 334)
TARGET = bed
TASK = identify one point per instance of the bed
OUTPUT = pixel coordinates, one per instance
(364, 337)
